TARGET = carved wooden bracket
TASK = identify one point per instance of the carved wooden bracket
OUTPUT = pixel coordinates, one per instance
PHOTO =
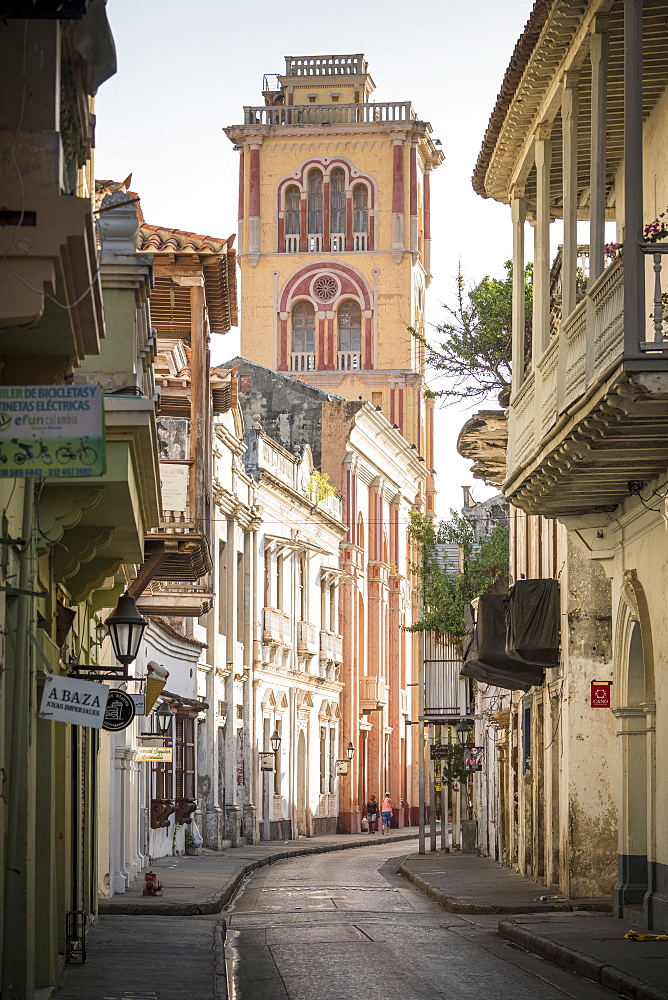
(161, 810)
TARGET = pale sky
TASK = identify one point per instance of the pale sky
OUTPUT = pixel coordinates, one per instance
(186, 70)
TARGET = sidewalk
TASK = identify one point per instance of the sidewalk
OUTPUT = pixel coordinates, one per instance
(575, 934)
(207, 882)
(466, 883)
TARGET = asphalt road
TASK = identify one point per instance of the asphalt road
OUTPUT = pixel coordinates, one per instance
(345, 926)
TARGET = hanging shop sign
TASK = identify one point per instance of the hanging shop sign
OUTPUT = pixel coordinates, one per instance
(81, 703)
(54, 431)
(267, 760)
(162, 755)
(120, 711)
(473, 758)
(439, 751)
(341, 768)
(139, 701)
(600, 694)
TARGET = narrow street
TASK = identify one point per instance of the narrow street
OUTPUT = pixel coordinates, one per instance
(344, 925)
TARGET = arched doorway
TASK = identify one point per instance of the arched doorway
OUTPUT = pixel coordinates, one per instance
(635, 713)
(301, 785)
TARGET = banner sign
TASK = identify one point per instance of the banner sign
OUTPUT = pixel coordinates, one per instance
(161, 754)
(600, 694)
(341, 768)
(174, 478)
(139, 701)
(51, 431)
(267, 760)
(81, 703)
(473, 758)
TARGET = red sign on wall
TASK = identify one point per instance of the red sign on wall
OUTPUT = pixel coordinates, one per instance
(600, 694)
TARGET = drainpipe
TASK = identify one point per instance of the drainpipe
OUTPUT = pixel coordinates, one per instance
(18, 943)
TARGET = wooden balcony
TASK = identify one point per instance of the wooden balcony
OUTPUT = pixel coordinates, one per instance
(592, 415)
(173, 599)
(373, 694)
(181, 536)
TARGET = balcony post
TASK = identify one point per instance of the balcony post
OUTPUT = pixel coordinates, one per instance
(541, 276)
(598, 55)
(518, 214)
(634, 264)
(569, 118)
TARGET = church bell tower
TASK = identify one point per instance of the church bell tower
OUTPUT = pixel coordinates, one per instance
(334, 238)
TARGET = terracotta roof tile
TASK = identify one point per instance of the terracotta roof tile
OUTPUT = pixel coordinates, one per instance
(159, 239)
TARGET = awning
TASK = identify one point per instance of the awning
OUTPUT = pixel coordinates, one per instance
(485, 657)
(532, 634)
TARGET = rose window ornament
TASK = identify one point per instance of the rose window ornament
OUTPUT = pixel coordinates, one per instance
(325, 288)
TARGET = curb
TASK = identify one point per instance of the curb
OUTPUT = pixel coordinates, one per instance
(575, 961)
(454, 905)
(158, 908)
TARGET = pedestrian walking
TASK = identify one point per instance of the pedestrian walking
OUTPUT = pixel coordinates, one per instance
(372, 810)
(386, 812)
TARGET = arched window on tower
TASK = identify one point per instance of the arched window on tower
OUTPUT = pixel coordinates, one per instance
(292, 219)
(303, 337)
(315, 213)
(337, 213)
(349, 319)
(360, 217)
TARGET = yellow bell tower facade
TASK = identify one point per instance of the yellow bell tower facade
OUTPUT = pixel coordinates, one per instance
(334, 238)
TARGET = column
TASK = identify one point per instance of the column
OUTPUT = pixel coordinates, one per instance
(398, 196)
(541, 274)
(569, 119)
(598, 55)
(632, 852)
(283, 365)
(320, 329)
(634, 275)
(426, 224)
(326, 242)
(413, 198)
(330, 346)
(240, 213)
(254, 205)
(367, 315)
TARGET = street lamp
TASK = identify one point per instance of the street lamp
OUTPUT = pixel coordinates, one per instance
(163, 719)
(350, 751)
(126, 628)
(463, 730)
(100, 632)
(275, 740)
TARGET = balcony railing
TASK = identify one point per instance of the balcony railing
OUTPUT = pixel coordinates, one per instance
(337, 242)
(176, 598)
(325, 65)
(306, 638)
(277, 627)
(314, 242)
(360, 241)
(373, 693)
(348, 361)
(330, 114)
(331, 647)
(292, 244)
(302, 362)
(577, 426)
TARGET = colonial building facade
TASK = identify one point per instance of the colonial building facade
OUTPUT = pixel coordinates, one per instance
(578, 132)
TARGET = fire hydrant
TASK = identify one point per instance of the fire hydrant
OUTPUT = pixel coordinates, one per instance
(152, 885)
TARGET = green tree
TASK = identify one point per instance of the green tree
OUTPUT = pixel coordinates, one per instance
(444, 593)
(472, 348)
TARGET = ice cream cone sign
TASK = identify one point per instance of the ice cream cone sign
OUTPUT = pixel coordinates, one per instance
(156, 678)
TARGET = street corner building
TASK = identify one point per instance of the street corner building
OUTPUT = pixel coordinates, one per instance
(578, 134)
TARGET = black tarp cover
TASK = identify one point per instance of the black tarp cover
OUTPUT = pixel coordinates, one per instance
(532, 634)
(485, 657)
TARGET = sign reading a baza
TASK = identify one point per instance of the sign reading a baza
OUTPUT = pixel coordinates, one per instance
(81, 703)
(51, 431)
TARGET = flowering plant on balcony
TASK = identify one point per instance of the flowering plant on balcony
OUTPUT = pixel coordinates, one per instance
(656, 231)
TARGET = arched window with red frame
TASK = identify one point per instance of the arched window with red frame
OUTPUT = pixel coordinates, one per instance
(303, 337)
(292, 210)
